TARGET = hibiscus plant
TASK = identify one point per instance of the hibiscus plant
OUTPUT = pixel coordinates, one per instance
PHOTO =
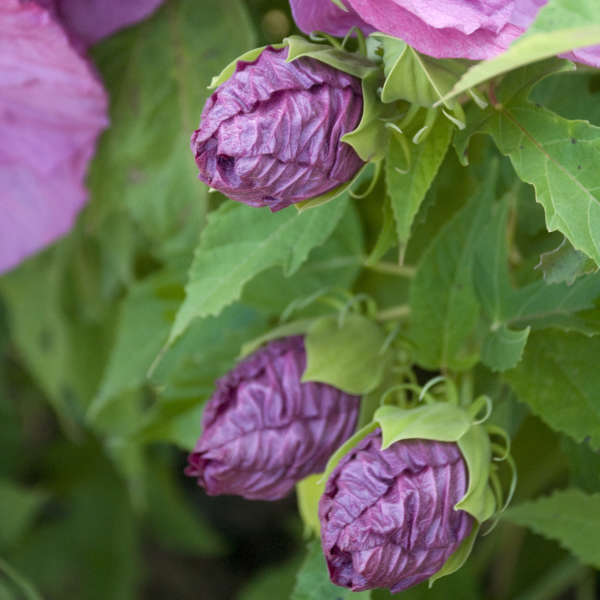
(299, 299)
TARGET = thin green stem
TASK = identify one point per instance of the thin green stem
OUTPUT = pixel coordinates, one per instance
(390, 268)
(391, 314)
(29, 592)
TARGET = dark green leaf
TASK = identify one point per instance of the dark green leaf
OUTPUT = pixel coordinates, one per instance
(157, 75)
(223, 263)
(445, 309)
(408, 184)
(569, 516)
(560, 381)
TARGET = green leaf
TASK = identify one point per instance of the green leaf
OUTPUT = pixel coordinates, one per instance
(172, 518)
(444, 305)
(584, 465)
(274, 581)
(223, 263)
(565, 264)
(560, 26)
(335, 264)
(347, 354)
(61, 341)
(313, 583)
(156, 74)
(570, 517)
(440, 421)
(503, 348)
(144, 323)
(18, 508)
(555, 155)
(415, 77)
(559, 379)
(407, 186)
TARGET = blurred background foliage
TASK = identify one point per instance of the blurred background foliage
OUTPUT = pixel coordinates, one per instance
(94, 429)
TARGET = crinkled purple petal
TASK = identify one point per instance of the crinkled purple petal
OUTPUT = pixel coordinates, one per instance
(324, 15)
(52, 108)
(264, 430)
(271, 134)
(91, 20)
(387, 517)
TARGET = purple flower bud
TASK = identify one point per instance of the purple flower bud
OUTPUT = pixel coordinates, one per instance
(271, 134)
(387, 516)
(263, 430)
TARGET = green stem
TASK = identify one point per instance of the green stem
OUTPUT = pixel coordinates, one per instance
(391, 314)
(29, 592)
(390, 268)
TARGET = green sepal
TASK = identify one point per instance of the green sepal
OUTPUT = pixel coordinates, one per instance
(339, 4)
(479, 501)
(458, 558)
(331, 194)
(229, 70)
(417, 78)
(349, 62)
(292, 328)
(347, 353)
(441, 421)
(370, 138)
(308, 493)
(346, 447)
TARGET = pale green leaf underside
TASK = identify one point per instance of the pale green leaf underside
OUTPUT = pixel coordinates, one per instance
(503, 348)
(334, 357)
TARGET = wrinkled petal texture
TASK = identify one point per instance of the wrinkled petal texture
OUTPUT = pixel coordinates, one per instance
(387, 517)
(263, 430)
(91, 20)
(52, 108)
(324, 15)
(271, 134)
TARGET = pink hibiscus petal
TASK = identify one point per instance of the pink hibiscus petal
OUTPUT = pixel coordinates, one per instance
(91, 20)
(52, 108)
(324, 15)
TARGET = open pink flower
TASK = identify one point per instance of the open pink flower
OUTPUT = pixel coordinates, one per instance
(474, 29)
(91, 20)
(52, 109)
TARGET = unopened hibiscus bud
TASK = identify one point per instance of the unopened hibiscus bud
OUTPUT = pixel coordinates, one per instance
(271, 134)
(264, 430)
(387, 516)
